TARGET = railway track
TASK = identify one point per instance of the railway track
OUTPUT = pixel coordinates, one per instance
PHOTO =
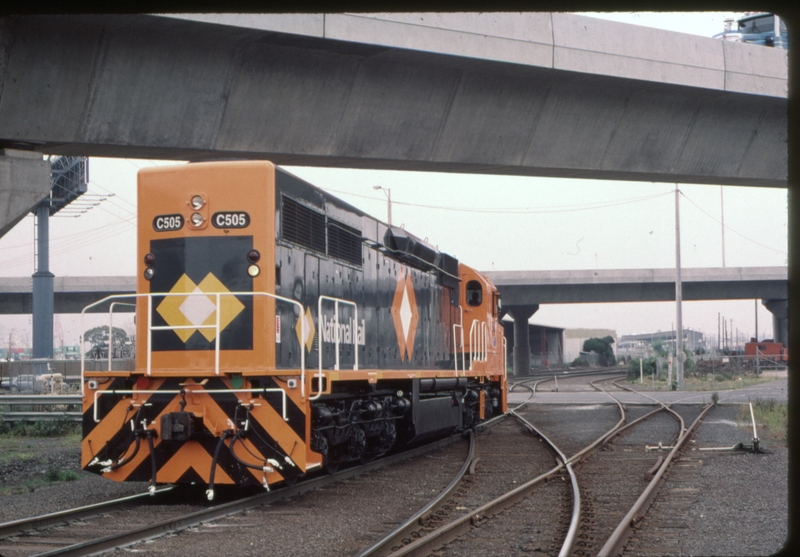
(577, 532)
(44, 536)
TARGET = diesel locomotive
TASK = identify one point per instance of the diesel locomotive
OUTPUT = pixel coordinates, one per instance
(280, 331)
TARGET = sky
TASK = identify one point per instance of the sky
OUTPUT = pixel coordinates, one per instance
(498, 223)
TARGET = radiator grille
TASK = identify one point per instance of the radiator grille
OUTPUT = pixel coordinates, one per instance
(306, 227)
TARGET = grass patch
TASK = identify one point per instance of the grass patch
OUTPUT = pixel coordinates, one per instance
(702, 384)
(55, 474)
(61, 427)
(772, 419)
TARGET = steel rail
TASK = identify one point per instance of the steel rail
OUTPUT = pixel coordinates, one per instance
(569, 540)
(179, 523)
(616, 541)
(8, 529)
(384, 545)
(667, 407)
(454, 529)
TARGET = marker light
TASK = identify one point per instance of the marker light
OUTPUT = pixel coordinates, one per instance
(197, 219)
(148, 273)
(149, 259)
(197, 202)
(253, 256)
(253, 270)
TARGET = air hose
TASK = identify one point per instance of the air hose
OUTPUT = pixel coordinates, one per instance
(210, 490)
(150, 433)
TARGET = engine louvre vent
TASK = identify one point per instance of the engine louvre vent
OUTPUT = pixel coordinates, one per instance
(302, 225)
(344, 242)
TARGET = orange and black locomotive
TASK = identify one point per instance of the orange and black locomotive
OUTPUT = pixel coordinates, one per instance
(281, 330)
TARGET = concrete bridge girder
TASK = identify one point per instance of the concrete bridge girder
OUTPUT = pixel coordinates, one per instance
(24, 182)
(780, 319)
(521, 359)
(144, 86)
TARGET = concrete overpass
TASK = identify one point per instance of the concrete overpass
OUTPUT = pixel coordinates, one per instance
(533, 94)
(522, 291)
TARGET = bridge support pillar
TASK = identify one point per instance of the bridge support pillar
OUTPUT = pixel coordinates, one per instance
(522, 341)
(780, 319)
(24, 182)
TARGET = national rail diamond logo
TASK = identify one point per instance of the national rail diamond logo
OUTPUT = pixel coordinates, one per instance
(198, 310)
(405, 315)
(306, 318)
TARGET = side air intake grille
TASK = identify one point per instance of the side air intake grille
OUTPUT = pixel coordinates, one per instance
(344, 242)
(307, 227)
(303, 226)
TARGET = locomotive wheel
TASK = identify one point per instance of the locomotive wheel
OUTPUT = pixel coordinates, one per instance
(319, 444)
(332, 467)
(357, 442)
(387, 437)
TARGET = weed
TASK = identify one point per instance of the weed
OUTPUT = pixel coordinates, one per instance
(55, 474)
(68, 476)
(771, 419)
(52, 428)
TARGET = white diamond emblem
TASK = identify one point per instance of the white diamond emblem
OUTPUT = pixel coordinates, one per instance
(197, 308)
(405, 313)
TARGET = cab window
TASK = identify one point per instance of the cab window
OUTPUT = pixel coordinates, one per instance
(474, 293)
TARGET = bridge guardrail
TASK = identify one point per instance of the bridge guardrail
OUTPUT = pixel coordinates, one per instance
(11, 401)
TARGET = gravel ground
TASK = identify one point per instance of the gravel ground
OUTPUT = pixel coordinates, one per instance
(739, 506)
(28, 466)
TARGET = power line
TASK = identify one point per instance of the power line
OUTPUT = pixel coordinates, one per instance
(518, 210)
(731, 229)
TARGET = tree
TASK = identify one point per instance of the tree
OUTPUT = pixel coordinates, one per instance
(98, 335)
(658, 347)
(601, 347)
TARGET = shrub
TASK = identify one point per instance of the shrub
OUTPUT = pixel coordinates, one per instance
(648, 367)
(579, 362)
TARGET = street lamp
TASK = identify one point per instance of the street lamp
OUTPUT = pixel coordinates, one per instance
(388, 193)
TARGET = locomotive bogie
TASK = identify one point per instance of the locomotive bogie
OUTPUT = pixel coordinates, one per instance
(281, 330)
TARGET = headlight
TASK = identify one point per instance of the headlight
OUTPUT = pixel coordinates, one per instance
(148, 273)
(197, 202)
(253, 270)
(197, 219)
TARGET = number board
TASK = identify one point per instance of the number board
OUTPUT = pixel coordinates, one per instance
(167, 223)
(237, 219)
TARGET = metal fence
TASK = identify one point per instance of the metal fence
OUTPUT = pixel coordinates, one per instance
(52, 377)
(34, 408)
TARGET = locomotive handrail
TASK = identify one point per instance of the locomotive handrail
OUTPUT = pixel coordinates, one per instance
(354, 335)
(505, 355)
(111, 328)
(460, 326)
(189, 391)
(216, 326)
(478, 336)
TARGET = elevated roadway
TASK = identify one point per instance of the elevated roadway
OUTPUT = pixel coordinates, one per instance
(533, 94)
(524, 291)
(517, 288)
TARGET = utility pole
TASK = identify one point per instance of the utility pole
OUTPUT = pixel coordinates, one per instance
(388, 193)
(758, 368)
(679, 355)
(722, 221)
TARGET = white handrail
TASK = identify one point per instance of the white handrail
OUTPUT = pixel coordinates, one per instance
(354, 335)
(188, 392)
(505, 356)
(478, 347)
(216, 326)
(111, 327)
(455, 346)
(460, 326)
